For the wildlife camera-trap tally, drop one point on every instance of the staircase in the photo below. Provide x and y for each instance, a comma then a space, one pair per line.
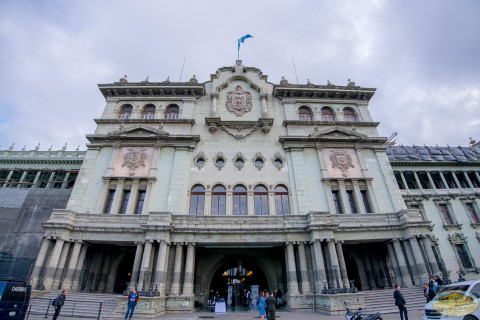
77, 304
382, 300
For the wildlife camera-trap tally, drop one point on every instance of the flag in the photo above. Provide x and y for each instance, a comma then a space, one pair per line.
242, 40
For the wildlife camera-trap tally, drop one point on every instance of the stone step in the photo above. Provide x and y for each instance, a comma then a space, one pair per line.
382, 300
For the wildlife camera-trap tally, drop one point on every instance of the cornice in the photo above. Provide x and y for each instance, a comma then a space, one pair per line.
331, 123
323, 92
146, 121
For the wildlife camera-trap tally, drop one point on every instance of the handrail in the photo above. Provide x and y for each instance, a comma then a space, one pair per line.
73, 304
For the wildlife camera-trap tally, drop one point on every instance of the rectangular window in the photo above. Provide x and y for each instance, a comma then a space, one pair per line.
472, 212
126, 196
140, 202
447, 217
336, 202
351, 201
108, 205
463, 255
366, 203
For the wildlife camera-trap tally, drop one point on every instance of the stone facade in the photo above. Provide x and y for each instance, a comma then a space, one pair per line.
187, 187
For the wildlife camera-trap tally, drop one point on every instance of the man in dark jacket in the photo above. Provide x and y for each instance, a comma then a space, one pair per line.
400, 302
58, 303
271, 307
132, 303
428, 292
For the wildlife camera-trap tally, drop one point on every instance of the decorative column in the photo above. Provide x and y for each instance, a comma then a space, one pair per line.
100, 208
177, 268
402, 265
417, 180
303, 269
136, 266
470, 184
404, 181
117, 199
150, 273
291, 271
37, 269
61, 264
373, 198
442, 177
396, 269
334, 265
430, 255
147, 251
263, 98
213, 108
459, 186
422, 270
189, 271
412, 263
72, 264
272, 209
20, 184
229, 202
65, 180
358, 197
35, 181
343, 198
146, 202
132, 201
161, 268
250, 206
79, 267
341, 264
320, 266
113, 158
52, 267
50, 179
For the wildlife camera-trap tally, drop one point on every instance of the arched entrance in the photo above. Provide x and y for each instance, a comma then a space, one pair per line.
241, 274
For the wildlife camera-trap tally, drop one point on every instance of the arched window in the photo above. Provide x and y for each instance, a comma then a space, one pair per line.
305, 114
172, 112
219, 196
282, 205
125, 112
148, 112
261, 201
197, 200
349, 115
328, 114
240, 201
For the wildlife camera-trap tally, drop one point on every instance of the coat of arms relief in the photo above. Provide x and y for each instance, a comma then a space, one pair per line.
239, 101
340, 159
134, 159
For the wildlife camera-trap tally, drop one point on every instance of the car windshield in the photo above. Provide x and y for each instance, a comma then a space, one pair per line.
463, 287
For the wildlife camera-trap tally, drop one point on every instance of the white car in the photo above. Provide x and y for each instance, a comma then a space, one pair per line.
471, 287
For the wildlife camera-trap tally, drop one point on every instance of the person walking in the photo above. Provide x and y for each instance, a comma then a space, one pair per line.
266, 307
400, 302
58, 303
131, 303
271, 307
279, 298
261, 305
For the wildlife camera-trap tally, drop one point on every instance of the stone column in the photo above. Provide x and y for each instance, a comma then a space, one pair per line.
368, 267
72, 264
334, 262
132, 201
207, 206
78, 268
430, 255
229, 203
470, 184
402, 265
177, 267
61, 264
429, 176
161, 268
373, 197
213, 108
100, 208
151, 271
20, 184
358, 197
361, 270
147, 251
95, 271
113, 158
146, 202
291, 271
50, 179
404, 181
156, 154
343, 198
442, 177
263, 98
250, 206
417, 253
328, 190
37, 269
189, 271
272, 209
396, 269
35, 181
117, 199
7, 181
65, 180
103, 278
320, 266
417, 180
52, 267
454, 175
341, 264
303, 269
136, 266
412, 263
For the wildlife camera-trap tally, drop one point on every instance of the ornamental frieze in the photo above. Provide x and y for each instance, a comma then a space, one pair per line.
133, 161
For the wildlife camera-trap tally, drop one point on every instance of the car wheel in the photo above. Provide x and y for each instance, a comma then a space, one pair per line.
470, 318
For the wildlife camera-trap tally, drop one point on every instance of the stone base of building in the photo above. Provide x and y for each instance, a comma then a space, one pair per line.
335, 304
147, 307
180, 304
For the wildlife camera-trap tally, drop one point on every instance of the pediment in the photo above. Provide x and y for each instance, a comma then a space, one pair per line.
337, 133
136, 131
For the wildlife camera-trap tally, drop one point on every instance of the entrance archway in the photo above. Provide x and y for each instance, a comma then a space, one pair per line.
240, 273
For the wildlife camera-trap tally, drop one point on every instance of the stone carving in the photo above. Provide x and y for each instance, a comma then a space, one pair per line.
259, 160
342, 160
135, 158
239, 161
239, 135
219, 161
239, 101
278, 160
200, 160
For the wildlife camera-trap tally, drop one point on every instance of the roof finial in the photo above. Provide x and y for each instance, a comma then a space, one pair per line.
78, 148
37, 147
64, 147
50, 149
23, 149
11, 147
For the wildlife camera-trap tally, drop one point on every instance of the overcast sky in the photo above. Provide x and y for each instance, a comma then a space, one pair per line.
422, 56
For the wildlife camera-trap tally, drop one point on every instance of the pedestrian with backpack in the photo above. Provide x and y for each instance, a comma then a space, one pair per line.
58, 302
132, 303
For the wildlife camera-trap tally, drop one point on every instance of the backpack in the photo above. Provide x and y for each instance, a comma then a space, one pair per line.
54, 302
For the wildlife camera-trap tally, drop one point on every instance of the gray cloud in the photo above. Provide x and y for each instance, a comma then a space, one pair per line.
422, 57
